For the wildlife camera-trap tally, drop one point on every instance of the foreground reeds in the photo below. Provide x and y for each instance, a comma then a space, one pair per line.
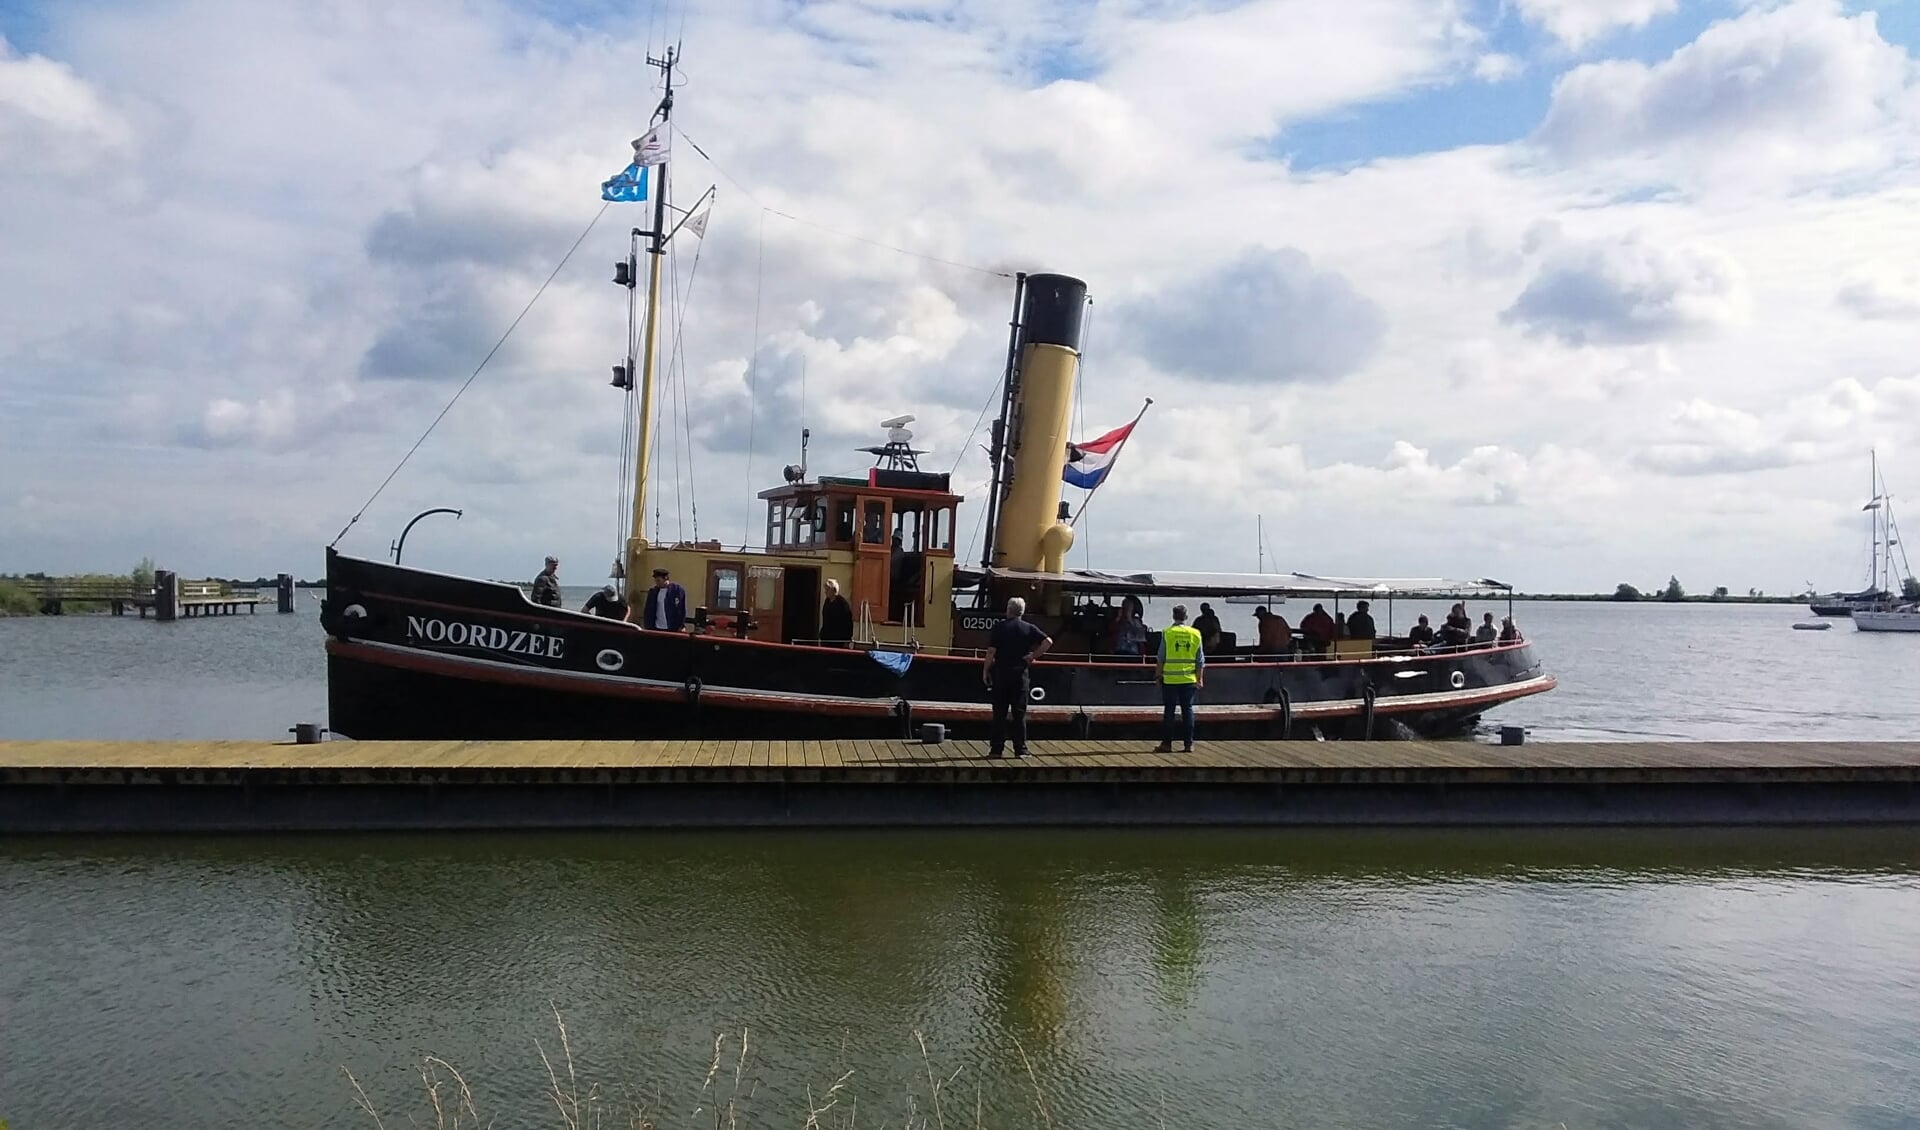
722, 1102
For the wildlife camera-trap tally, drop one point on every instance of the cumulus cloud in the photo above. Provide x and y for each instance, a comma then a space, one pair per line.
1704, 438
1781, 86
1267, 316
52, 115
446, 154
1577, 23
1892, 297
1629, 291
1497, 67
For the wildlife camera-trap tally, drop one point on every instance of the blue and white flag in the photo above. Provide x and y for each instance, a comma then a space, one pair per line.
626, 186
630, 184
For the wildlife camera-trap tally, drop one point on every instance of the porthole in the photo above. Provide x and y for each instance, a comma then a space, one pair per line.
1037, 694
610, 660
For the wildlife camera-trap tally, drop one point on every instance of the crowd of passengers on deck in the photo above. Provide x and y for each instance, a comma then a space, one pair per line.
1319, 633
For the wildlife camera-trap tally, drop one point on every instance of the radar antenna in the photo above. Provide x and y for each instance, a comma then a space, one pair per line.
898, 453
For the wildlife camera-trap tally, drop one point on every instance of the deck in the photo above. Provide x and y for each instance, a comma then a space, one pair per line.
259, 786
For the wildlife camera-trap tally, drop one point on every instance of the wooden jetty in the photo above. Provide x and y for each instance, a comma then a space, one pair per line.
56, 786
168, 598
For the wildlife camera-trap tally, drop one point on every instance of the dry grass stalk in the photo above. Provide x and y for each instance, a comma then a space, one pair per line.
462, 1102
1039, 1100
934, 1084
826, 1103
361, 1100
568, 1101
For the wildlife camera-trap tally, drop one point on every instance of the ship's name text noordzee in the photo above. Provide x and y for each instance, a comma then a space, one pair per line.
434, 630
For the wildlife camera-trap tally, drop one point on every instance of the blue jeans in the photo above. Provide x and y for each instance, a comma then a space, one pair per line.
1179, 695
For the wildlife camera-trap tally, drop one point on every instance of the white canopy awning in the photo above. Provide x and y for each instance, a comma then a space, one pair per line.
1170, 583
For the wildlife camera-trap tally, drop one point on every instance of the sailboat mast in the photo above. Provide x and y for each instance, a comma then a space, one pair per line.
656, 251
1873, 519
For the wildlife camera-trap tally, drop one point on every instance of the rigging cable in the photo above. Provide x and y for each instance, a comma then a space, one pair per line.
675, 407
1080, 406
677, 364
753, 362
471, 378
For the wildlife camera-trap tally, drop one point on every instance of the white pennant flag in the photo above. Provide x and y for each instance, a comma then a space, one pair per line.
651, 148
698, 224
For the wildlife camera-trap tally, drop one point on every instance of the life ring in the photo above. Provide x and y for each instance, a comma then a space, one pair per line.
1458, 679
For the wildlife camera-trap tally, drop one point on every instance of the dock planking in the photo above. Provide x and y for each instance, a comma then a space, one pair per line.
782, 758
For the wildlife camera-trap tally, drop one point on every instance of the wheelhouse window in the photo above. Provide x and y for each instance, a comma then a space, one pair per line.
723, 587
842, 521
873, 522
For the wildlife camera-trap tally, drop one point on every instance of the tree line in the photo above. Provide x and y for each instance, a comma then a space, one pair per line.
1675, 592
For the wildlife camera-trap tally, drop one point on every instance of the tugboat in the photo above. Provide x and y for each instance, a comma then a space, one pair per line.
414, 654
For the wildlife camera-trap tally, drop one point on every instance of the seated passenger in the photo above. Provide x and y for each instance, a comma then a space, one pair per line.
1129, 632
1458, 628
1509, 631
1360, 624
1486, 633
1208, 625
1421, 635
1318, 631
1276, 637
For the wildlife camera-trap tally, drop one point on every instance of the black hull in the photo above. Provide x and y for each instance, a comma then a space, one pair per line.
415, 655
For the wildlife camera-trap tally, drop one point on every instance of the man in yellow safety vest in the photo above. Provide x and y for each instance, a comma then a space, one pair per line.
1183, 671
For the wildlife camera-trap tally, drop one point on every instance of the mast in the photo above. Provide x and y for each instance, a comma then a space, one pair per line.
1873, 520
1009, 387
656, 250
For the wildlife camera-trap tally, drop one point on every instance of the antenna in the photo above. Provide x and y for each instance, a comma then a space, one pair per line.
898, 453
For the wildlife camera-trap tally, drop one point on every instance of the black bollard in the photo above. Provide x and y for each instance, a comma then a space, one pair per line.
284, 585
166, 595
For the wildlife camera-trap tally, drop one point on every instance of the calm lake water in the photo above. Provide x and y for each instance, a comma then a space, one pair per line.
1084, 979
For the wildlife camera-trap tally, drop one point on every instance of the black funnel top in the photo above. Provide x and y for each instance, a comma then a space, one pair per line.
1054, 307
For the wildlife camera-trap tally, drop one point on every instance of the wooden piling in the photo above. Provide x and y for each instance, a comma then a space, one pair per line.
166, 596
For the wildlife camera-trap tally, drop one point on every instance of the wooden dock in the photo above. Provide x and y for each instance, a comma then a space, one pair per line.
190, 599
258, 786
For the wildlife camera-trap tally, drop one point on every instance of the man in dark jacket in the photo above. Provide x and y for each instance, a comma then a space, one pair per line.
1012, 647
546, 586
1318, 630
606, 602
666, 607
836, 617
1360, 624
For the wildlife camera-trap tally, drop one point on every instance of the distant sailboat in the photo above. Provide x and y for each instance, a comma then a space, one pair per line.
1887, 614
1875, 595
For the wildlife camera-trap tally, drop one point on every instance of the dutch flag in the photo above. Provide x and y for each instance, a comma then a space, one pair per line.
1087, 463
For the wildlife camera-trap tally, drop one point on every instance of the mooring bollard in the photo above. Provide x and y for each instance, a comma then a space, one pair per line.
1512, 735
933, 733
166, 595
306, 733
284, 585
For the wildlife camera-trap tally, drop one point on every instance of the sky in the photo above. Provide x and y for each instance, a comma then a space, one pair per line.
1567, 293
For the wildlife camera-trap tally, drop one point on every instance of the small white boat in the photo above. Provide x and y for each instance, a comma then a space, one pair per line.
1903, 619
1812, 626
